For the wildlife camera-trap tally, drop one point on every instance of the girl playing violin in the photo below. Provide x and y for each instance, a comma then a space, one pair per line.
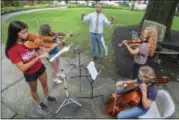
27, 61
145, 49
149, 93
45, 30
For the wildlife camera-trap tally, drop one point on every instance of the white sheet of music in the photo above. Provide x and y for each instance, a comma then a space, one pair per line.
65, 49
92, 70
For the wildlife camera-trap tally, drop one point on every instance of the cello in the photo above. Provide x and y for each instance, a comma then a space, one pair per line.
129, 97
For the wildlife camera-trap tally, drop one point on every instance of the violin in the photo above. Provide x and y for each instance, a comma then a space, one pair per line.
132, 42
53, 38
34, 41
131, 96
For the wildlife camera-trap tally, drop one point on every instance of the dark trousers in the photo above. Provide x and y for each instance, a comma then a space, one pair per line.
135, 71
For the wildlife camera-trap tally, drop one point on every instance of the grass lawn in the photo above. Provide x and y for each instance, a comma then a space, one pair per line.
68, 21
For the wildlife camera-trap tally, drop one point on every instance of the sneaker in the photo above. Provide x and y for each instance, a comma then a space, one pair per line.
61, 75
43, 107
94, 58
51, 99
57, 81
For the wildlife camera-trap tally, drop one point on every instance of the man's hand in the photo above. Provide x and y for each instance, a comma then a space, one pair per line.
83, 14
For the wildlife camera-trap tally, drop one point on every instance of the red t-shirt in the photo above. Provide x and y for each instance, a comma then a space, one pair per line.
19, 53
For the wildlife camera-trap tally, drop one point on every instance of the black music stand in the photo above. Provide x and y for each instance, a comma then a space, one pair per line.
78, 51
94, 74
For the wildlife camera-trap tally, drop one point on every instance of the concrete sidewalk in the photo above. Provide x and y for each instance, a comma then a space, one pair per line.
21, 105
9, 15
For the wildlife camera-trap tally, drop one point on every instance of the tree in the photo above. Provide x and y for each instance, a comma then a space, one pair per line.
87, 1
145, 1
97, 1
161, 11
133, 5
66, 1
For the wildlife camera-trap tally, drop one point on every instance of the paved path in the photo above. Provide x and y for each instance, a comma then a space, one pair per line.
9, 15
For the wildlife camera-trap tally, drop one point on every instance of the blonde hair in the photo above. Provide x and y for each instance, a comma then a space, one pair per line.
147, 74
152, 39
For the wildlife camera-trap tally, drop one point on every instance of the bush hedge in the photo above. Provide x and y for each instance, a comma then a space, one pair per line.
6, 10
77, 5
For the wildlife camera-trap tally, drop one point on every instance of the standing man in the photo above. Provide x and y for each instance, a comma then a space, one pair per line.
97, 20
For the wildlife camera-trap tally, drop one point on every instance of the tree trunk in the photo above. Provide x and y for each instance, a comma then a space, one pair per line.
162, 12
145, 1
97, 1
132, 6
66, 1
76, 1
87, 2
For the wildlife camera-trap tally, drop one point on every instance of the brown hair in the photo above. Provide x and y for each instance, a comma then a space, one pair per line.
45, 29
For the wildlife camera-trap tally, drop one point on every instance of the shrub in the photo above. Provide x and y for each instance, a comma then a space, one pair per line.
5, 10
76, 5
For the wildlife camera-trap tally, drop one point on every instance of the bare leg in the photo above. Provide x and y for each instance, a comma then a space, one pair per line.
57, 64
54, 65
43, 81
33, 88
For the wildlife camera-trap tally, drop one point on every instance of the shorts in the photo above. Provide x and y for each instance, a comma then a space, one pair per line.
53, 52
35, 76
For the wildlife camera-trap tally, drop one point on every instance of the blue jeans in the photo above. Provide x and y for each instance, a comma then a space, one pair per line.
133, 112
53, 52
96, 39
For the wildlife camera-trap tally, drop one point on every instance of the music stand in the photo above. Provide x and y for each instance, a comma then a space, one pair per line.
78, 51
67, 100
94, 73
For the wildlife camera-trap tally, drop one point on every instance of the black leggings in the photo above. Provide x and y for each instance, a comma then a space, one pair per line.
135, 71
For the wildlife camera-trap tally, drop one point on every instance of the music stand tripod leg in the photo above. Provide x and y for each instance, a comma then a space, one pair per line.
61, 105
75, 101
67, 99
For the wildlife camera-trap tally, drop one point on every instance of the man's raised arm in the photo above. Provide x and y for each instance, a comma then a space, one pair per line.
85, 18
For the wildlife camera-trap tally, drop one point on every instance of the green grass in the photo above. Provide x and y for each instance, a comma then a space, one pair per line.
68, 21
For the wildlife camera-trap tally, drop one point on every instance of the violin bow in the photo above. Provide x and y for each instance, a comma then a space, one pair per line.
38, 21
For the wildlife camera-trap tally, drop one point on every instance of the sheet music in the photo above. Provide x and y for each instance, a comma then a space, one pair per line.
65, 49
92, 70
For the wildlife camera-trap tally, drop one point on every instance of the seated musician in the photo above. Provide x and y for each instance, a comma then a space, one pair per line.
145, 49
27, 61
149, 93
45, 30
